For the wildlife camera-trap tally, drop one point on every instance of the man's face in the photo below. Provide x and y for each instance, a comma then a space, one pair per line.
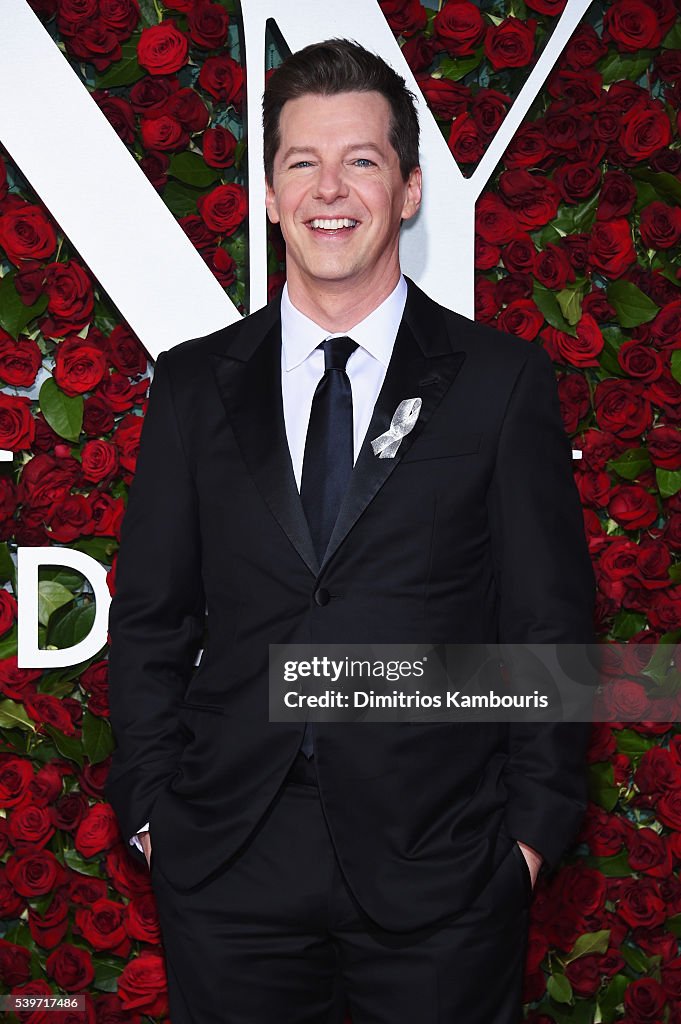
338, 193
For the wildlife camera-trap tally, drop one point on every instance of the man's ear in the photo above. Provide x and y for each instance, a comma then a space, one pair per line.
412, 200
271, 203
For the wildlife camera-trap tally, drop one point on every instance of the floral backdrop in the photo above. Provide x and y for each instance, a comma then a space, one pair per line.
578, 238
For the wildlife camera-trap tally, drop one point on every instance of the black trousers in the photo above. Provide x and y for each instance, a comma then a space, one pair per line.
277, 938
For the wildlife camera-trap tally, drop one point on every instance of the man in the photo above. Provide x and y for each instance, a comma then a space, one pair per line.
396, 858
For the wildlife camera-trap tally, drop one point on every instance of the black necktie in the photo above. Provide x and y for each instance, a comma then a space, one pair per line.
329, 449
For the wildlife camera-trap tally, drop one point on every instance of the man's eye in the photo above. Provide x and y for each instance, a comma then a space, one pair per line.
303, 163
364, 161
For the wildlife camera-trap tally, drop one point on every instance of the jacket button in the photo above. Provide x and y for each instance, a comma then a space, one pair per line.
322, 596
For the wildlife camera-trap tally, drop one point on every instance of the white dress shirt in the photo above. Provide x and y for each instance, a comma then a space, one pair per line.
302, 367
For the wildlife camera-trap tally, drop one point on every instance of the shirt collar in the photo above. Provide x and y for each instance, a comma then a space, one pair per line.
376, 332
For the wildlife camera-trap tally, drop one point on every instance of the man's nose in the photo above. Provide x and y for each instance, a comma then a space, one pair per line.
330, 183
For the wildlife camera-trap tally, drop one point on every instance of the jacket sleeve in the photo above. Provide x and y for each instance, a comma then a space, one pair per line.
157, 613
546, 593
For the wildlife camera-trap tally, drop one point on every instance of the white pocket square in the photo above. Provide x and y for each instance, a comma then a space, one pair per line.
404, 418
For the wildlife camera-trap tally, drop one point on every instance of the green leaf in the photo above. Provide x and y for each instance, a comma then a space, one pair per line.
13, 715
50, 597
64, 413
675, 573
14, 315
610, 1002
106, 976
9, 643
636, 959
100, 548
633, 743
665, 184
559, 988
192, 169
570, 302
8, 570
180, 199
69, 747
673, 924
602, 788
80, 865
68, 577
591, 942
616, 66
627, 624
72, 628
659, 665
457, 68
148, 12
548, 304
612, 867
97, 738
631, 463
668, 481
672, 41
631, 305
676, 365
125, 70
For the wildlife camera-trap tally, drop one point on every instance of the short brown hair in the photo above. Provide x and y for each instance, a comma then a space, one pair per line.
335, 66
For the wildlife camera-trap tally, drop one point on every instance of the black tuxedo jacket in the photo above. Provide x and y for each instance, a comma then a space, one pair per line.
473, 533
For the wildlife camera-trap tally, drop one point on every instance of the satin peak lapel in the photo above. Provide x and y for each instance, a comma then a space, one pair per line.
250, 389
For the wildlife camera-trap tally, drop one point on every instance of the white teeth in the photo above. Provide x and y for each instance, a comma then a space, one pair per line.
334, 224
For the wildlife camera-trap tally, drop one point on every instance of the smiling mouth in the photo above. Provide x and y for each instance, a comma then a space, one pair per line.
332, 223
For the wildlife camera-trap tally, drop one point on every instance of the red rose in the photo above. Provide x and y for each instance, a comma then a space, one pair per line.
223, 78
155, 166
519, 254
8, 611
585, 348
71, 298
577, 181
533, 198
573, 395
668, 65
611, 249
219, 147
98, 831
486, 255
633, 26
459, 27
622, 407
465, 141
596, 303
15, 965
17, 426
102, 925
664, 447
27, 234
550, 7
512, 287
118, 113
208, 25
446, 99
552, 267
660, 225
632, 506
489, 109
493, 220
584, 49
602, 832
99, 460
79, 365
127, 440
648, 852
405, 17
584, 975
150, 95
664, 614
71, 967
224, 209
142, 985
164, 134
640, 904
162, 49
30, 825
527, 148
510, 44
644, 1001
95, 43
640, 360
34, 873
189, 109
646, 130
521, 318
121, 16
486, 305
126, 352
582, 88
617, 196
665, 330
